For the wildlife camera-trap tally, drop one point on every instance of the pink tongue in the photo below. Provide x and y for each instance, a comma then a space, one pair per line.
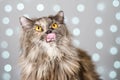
50, 37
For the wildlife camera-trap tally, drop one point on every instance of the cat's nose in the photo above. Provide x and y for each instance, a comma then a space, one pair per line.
49, 31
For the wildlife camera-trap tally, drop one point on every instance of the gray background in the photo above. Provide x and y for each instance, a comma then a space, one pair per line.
95, 25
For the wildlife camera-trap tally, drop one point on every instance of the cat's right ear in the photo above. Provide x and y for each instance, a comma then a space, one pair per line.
25, 22
60, 16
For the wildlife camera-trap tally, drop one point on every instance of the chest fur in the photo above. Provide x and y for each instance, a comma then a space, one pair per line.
58, 70
50, 63
58, 65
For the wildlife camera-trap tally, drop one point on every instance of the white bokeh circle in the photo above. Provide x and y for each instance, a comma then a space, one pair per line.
113, 28
100, 6
5, 54
99, 45
75, 20
4, 44
9, 32
40, 7
117, 64
17, 30
98, 20
117, 40
113, 50
8, 8
76, 42
7, 67
56, 8
99, 32
80, 7
20, 6
100, 70
6, 76
112, 74
5, 20
95, 57
115, 3
117, 16
66, 19
76, 31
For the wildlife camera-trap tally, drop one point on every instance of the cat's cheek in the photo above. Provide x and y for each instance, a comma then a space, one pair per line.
38, 33
58, 37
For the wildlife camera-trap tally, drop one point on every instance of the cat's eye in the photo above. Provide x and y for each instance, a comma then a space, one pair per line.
38, 28
54, 25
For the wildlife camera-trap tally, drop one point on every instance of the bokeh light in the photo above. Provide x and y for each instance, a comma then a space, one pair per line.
20, 6
99, 45
76, 42
116, 3
95, 57
75, 20
117, 40
100, 6
80, 7
98, 20
8, 8
5, 20
56, 8
99, 32
117, 64
7, 67
100, 70
6, 76
113, 50
66, 19
5, 54
9, 32
76, 32
113, 28
112, 74
117, 16
40, 7
4, 44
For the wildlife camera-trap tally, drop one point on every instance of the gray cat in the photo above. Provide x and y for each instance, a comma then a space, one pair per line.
47, 52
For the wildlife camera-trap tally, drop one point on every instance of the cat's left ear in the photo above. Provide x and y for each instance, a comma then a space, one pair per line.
25, 22
60, 16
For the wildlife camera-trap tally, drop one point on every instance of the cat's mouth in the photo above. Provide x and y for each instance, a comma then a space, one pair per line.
50, 37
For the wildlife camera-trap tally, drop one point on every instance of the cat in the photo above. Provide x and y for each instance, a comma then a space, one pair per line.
47, 52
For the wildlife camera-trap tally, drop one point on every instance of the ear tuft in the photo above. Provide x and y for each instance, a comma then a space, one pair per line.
25, 22
60, 16
61, 13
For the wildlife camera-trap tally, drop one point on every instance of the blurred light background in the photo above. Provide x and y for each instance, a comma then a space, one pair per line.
95, 25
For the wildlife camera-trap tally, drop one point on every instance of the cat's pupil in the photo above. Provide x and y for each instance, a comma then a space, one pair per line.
38, 27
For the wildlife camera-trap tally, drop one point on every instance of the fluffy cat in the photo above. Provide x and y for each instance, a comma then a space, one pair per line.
47, 52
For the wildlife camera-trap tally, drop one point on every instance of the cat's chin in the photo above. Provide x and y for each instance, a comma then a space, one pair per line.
53, 41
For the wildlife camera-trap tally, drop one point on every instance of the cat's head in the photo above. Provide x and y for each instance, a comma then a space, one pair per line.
51, 29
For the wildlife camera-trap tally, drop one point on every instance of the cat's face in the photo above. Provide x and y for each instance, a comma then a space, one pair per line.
48, 29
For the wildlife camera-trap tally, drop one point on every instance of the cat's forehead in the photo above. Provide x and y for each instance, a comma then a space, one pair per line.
43, 21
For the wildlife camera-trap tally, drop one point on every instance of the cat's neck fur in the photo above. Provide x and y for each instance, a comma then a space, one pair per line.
52, 61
